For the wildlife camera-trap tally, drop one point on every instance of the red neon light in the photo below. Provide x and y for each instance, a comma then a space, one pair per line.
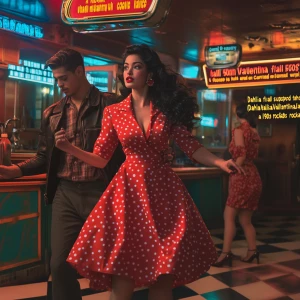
81, 9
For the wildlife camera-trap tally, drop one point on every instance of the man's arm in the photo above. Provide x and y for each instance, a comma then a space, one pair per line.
33, 166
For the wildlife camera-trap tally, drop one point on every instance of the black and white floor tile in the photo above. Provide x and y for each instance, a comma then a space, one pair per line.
277, 277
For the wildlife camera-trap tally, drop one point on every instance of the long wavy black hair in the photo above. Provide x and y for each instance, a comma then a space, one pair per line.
172, 97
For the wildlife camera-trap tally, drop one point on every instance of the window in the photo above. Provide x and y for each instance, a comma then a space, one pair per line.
212, 127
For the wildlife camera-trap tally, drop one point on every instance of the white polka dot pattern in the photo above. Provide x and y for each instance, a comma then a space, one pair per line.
145, 224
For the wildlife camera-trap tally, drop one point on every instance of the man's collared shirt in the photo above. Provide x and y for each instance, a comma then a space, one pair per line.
71, 168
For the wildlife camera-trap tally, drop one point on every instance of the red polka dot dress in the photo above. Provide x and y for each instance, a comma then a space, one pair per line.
245, 190
145, 224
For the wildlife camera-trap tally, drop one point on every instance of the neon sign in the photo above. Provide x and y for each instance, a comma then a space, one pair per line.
22, 28
89, 11
35, 72
107, 15
190, 71
99, 79
31, 71
209, 122
254, 73
223, 56
214, 95
90, 61
32, 9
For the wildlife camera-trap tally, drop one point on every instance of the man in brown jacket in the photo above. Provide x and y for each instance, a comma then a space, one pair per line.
73, 187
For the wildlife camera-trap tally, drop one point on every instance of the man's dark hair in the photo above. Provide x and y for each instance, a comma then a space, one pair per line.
68, 58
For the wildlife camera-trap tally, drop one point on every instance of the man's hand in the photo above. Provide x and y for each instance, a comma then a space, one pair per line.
9, 172
61, 141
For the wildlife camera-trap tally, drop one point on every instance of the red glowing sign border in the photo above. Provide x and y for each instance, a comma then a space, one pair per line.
109, 18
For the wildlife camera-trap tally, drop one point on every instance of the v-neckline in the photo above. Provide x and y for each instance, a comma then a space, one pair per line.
146, 134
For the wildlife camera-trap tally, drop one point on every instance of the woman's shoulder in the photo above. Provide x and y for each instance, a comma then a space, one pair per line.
236, 130
242, 130
244, 127
249, 132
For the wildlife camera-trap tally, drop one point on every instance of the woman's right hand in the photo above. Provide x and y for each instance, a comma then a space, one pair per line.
61, 141
230, 166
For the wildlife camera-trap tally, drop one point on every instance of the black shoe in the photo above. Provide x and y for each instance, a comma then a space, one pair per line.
252, 257
226, 260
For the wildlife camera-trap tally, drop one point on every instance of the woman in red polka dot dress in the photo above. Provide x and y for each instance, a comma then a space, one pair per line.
145, 229
244, 191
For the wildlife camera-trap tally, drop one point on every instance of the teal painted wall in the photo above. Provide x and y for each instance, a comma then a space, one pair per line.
19, 239
18, 203
207, 194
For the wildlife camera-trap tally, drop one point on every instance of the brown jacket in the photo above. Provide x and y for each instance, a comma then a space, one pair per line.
47, 158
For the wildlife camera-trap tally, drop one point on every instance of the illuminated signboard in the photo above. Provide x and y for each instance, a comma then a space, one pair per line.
29, 9
31, 71
223, 56
98, 79
35, 72
209, 122
106, 15
188, 70
214, 95
254, 73
22, 28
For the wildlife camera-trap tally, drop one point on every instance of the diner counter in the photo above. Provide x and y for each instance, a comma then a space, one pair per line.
25, 223
24, 181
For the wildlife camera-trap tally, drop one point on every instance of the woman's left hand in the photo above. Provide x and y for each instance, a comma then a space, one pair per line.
230, 166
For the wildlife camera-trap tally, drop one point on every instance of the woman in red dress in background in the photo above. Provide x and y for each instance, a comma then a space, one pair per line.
145, 230
244, 190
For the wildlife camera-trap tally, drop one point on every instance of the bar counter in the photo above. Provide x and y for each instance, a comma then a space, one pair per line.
24, 230
25, 221
208, 188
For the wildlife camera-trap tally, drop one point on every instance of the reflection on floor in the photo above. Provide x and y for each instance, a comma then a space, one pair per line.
276, 277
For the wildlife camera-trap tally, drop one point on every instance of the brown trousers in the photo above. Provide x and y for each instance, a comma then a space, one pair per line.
72, 204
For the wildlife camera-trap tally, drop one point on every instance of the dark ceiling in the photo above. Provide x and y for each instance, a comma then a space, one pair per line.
264, 28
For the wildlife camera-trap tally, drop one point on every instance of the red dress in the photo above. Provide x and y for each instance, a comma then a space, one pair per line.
145, 223
245, 190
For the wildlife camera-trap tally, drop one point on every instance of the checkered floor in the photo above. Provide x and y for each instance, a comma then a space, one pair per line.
276, 277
